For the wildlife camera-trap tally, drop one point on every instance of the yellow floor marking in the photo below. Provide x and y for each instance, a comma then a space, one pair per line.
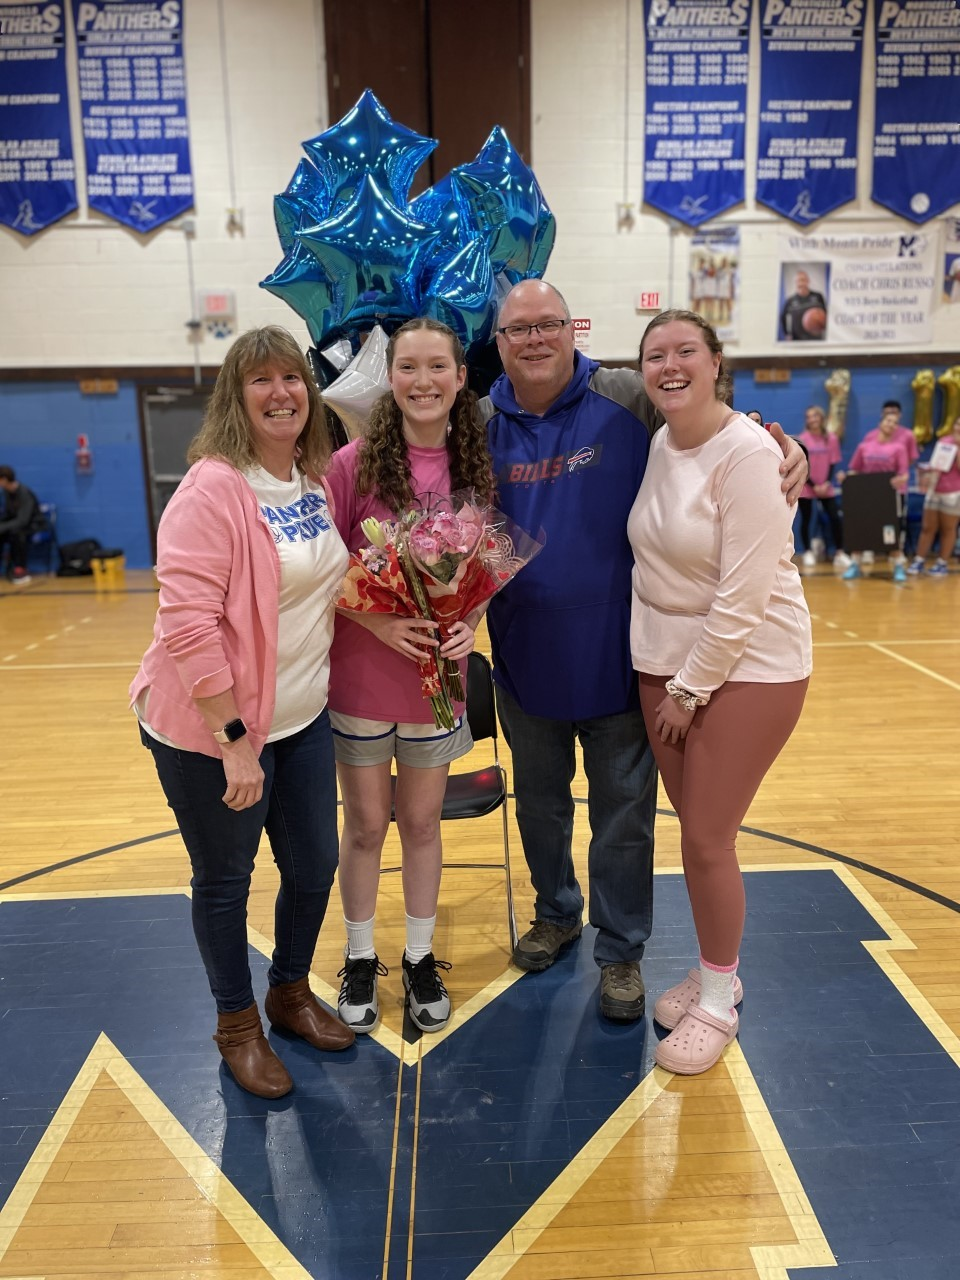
63, 896
209, 1179
562, 1190
391, 1188
471, 1007
420, 1050
811, 1249
924, 671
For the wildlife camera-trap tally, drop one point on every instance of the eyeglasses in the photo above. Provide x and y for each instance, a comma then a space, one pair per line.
520, 332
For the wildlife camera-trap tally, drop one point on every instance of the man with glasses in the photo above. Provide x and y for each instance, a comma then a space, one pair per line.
569, 443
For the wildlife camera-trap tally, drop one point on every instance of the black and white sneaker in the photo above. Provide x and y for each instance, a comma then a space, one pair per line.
357, 1003
426, 994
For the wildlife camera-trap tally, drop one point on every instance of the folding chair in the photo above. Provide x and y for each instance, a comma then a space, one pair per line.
45, 531
481, 791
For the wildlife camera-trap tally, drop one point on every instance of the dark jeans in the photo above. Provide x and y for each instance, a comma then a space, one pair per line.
830, 511
621, 805
298, 810
19, 541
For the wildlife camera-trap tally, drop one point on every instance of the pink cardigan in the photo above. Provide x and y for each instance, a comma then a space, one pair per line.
216, 626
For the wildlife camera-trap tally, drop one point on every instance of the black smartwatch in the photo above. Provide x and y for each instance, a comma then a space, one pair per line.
231, 732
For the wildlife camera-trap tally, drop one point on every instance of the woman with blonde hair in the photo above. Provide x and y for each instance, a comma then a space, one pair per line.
231, 695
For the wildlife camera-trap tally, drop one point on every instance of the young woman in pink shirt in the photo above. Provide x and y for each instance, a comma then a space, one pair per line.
941, 511
823, 451
882, 451
425, 436
720, 635
231, 695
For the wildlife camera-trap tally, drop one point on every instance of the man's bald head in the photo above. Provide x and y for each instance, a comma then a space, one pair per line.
539, 366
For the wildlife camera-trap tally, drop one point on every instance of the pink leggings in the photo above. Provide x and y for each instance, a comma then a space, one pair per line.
710, 779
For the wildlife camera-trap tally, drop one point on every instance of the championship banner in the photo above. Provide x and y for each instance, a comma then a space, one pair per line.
916, 146
715, 279
133, 101
696, 106
849, 289
810, 58
37, 178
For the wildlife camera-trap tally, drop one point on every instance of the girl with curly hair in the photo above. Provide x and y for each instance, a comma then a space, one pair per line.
426, 435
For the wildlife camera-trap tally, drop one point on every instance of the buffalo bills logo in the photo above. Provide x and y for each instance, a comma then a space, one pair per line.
579, 459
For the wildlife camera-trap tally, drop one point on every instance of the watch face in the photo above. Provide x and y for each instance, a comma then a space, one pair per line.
231, 731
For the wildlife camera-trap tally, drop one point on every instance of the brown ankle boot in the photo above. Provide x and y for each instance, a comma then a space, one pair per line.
244, 1049
292, 1006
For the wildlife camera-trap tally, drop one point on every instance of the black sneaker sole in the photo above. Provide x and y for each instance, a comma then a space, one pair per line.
533, 964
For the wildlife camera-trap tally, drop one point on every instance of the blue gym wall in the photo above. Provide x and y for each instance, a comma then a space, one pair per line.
39, 425
40, 422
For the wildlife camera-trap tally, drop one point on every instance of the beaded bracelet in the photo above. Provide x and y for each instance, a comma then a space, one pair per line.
684, 698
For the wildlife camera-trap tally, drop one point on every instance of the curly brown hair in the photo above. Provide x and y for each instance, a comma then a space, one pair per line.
225, 431
384, 466
724, 384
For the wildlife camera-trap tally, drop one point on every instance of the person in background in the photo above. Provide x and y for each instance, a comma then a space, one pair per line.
800, 310
231, 695
569, 444
904, 436
720, 636
823, 450
755, 416
425, 436
941, 509
18, 519
880, 453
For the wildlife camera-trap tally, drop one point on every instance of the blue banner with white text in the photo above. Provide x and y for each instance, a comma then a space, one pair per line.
810, 58
916, 145
696, 106
37, 178
134, 107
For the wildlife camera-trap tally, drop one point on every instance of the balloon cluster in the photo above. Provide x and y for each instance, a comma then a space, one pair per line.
358, 255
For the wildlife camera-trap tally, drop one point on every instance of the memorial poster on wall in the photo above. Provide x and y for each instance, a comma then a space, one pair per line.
37, 178
696, 106
951, 263
810, 58
133, 103
715, 279
858, 288
916, 146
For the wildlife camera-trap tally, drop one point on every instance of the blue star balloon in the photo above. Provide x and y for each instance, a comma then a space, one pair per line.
306, 200
461, 294
367, 142
500, 200
300, 282
437, 207
371, 252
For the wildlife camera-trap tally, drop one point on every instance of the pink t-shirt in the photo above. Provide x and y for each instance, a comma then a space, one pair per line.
949, 481
824, 452
872, 456
902, 435
368, 679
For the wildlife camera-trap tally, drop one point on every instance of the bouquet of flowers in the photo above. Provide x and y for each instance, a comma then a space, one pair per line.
443, 558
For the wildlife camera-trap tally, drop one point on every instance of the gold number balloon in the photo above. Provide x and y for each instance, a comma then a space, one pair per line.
923, 385
837, 387
950, 381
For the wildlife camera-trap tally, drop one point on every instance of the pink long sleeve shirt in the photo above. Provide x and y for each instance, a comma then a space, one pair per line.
216, 626
716, 595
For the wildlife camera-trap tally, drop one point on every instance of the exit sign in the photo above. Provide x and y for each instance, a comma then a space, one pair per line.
649, 301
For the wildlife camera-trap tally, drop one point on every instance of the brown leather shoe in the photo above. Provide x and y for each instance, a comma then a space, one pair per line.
293, 1007
252, 1062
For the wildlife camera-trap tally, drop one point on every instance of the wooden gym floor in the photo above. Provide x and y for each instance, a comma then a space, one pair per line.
531, 1139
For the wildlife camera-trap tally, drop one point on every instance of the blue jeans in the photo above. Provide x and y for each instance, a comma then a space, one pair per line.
621, 805
298, 810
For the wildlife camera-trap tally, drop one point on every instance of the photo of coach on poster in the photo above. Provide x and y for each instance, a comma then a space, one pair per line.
803, 307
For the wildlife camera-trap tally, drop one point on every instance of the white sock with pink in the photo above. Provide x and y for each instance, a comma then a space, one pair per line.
716, 989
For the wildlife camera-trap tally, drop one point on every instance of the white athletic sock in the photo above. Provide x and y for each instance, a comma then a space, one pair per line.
419, 938
360, 939
716, 989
